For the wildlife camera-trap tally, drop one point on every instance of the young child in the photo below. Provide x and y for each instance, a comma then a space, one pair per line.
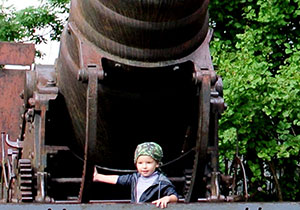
148, 184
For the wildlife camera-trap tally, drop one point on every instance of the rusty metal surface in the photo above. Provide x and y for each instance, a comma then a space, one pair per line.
179, 206
197, 188
148, 31
11, 104
16, 53
46, 91
91, 134
12, 84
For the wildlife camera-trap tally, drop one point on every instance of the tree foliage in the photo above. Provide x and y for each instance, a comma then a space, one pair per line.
33, 24
256, 49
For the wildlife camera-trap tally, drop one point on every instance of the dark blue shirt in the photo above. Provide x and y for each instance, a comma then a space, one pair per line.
161, 187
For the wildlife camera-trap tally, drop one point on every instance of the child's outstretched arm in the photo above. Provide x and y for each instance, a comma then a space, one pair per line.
110, 179
163, 202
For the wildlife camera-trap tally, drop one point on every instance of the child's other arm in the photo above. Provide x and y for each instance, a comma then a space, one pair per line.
110, 179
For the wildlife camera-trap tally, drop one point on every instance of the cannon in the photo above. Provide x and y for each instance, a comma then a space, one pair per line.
127, 72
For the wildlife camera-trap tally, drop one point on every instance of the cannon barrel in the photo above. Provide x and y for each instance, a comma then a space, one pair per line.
151, 31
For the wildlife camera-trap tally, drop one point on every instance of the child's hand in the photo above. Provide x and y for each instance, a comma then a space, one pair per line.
110, 179
163, 202
95, 174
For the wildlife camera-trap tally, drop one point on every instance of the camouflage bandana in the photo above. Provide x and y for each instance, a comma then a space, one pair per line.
151, 149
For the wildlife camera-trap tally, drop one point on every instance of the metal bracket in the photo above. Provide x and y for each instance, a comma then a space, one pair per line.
93, 73
41, 181
14, 144
199, 74
12, 167
83, 74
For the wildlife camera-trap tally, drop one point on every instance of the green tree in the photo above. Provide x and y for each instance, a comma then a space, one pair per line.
33, 24
256, 49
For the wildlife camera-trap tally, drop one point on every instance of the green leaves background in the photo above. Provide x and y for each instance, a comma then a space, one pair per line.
256, 49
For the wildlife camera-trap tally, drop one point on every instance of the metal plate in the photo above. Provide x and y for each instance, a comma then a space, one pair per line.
11, 104
16, 53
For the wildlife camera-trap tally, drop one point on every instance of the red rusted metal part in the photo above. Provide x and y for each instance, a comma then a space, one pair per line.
88, 55
77, 55
45, 91
12, 107
16, 53
11, 104
91, 134
12, 83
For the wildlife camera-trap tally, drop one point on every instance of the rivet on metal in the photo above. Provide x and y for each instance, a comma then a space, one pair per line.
117, 65
176, 68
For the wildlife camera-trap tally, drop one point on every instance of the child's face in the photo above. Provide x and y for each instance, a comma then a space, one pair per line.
146, 165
